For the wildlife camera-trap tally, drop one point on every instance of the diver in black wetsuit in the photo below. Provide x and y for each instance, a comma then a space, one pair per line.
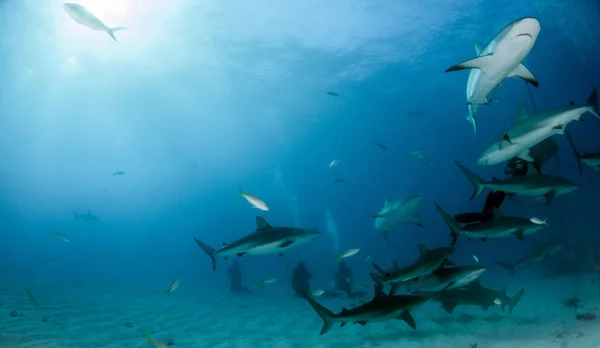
235, 274
300, 278
343, 278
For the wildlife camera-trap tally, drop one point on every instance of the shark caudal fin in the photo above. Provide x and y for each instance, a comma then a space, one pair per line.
455, 228
515, 300
325, 314
111, 32
577, 154
478, 183
209, 251
507, 266
593, 102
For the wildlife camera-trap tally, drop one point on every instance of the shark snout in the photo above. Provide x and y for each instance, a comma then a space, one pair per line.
527, 27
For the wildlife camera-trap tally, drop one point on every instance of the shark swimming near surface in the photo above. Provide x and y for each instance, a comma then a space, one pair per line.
266, 239
502, 57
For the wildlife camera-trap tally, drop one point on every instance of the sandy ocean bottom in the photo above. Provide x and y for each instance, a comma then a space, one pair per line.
268, 319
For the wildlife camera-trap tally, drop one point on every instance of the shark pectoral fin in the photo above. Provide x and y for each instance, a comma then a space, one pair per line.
560, 129
524, 73
416, 221
286, 244
448, 306
482, 63
550, 196
408, 318
526, 156
519, 235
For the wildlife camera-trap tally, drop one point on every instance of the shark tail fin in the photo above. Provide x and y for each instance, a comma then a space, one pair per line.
325, 314
111, 32
577, 154
515, 300
507, 266
476, 181
209, 251
471, 117
241, 194
455, 228
593, 102
168, 293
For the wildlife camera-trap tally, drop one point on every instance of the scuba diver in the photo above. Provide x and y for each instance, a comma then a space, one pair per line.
515, 167
235, 274
343, 278
300, 278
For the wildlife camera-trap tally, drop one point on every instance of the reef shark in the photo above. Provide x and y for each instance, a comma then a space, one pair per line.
428, 261
539, 253
530, 130
442, 279
382, 307
266, 239
86, 18
534, 184
502, 57
499, 226
475, 294
590, 159
401, 210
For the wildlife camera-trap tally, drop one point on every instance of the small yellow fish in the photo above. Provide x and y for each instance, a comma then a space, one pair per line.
261, 283
33, 301
538, 221
348, 253
255, 201
155, 343
62, 236
317, 293
173, 287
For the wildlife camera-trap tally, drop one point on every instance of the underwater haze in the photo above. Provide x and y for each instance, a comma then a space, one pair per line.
275, 138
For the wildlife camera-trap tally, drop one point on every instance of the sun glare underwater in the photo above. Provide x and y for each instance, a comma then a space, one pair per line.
299, 173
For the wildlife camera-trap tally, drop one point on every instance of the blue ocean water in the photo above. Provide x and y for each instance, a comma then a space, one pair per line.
198, 99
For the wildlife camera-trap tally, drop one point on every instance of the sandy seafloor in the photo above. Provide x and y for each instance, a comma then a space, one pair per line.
270, 319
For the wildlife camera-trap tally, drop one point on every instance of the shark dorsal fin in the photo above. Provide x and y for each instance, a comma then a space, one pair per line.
497, 213
521, 113
422, 249
479, 47
505, 142
378, 291
262, 224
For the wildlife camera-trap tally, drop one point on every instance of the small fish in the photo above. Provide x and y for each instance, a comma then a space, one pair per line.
368, 258
416, 113
380, 145
261, 283
49, 260
333, 164
347, 253
173, 287
62, 236
538, 221
498, 302
317, 293
475, 258
333, 94
415, 153
339, 181
118, 173
155, 343
255, 201
31, 298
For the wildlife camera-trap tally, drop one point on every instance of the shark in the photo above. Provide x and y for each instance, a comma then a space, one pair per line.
502, 57
499, 226
443, 279
428, 261
395, 212
538, 254
590, 159
382, 307
534, 184
266, 239
86, 217
530, 130
475, 294
86, 18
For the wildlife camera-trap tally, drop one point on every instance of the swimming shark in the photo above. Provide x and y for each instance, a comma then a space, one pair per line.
266, 239
502, 57
530, 130
401, 210
499, 226
86, 217
86, 18
534, 184
538, 254
442, 279
474, 294
590, 159
382, 307
428, 261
